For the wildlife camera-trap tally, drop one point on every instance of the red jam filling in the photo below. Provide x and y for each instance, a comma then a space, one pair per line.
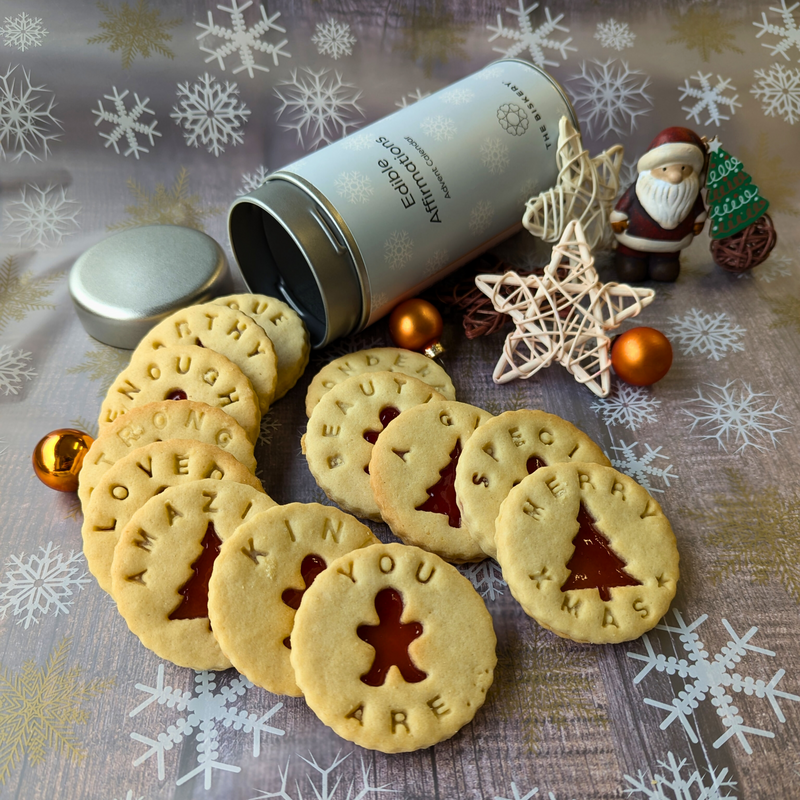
442, 495
534, 463
386, 416
594, 565
176, 394
391, 639
311, 567
195, 591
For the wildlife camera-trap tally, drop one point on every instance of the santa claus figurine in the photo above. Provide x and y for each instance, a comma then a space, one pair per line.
663, 211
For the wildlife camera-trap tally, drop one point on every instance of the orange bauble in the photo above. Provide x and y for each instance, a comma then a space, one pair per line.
641, 356
416, 324
58, 458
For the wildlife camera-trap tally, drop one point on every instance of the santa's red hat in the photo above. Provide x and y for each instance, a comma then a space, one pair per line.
674, 146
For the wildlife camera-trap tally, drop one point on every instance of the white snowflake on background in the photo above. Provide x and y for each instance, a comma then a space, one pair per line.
126, 123
774, 268
516, 794
779, 92
789, 32
3, 450
398, 249
486, 576
627, 405
14, 369
494, 155
439, 259
457, 96
736, 412
358, 141
241, 39
611, 96
709, 98
41, 217
439, 127
354, 186
412, 97
526, 37
35, 585
641, 468
480, 217
715, 679
269, 425
713, 335
23, 32
679, 786
129, 796
613, 34
334, 39
210, 113
326, 786
252, 180
26, 118
321, 105
204, 712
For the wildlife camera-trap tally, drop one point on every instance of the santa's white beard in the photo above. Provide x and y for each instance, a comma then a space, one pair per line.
667, 203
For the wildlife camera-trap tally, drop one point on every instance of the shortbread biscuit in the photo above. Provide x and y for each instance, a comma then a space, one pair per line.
587, 552
346, 423
378, 359
156, 422
407, 683
502, 453
260, 578
285, 328
226, 331
133, 480
412, 475
187, 372
164, 559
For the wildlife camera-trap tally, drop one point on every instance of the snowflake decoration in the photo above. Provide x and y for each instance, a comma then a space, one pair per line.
242, 40
439, 259
494, 155
334, 39
709, 98
714, 679
321, 104
126, 123
358, 141
252, 180
355, 187
728, 411
640, 467
458, 96
486, 576
481, 216
34, 585
327, 788
25, 117
627, 405
439, 127
412, 97
789, 32
14, 369
41, 217
706, 30
21, 294
268, 428
680, 787
711, 334
23, 32
129, 796
775, 267
779, 92
206, 711
535, 40
517, 795
613, 34
611, 95
398, 249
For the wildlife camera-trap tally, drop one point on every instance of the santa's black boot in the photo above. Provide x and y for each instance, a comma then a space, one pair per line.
664, 267
630, 269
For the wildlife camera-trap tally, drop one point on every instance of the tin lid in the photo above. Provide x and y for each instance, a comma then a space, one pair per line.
288, 244
127, 283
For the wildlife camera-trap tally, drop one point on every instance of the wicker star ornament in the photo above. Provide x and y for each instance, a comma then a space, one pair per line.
563, 316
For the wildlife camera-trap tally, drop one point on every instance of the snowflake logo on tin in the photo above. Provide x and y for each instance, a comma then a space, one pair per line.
614, 35
358, 141
494, 155
513, 119
14, 369
458, 96
41, 217
707, 334
334, 39
126, 123
210, 113
23, 32
779, 92
398, 249
439, 260
627, 405
439, 127
709, 99
480, 218
355, 187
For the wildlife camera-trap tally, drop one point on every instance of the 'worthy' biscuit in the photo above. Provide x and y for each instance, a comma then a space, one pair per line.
133, 480
378, 359
344, 426
393, 648
412, 474
164, 559
187, 372
587, 552
260, 578
502, 452
156, 422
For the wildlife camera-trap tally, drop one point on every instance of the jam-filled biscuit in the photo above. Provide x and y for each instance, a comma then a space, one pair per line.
156, 422
502, 452
186, 372
133, 480
345, 425
260, 578
378, 359
285, 328
412, 474
164, 559
393, 648
587, 552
